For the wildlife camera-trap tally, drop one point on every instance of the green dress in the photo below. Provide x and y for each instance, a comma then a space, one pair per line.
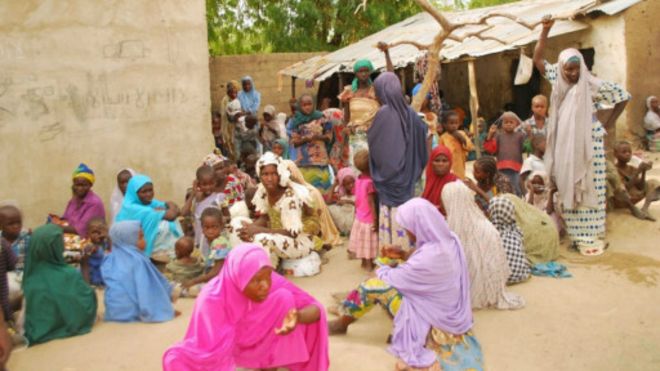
59, 303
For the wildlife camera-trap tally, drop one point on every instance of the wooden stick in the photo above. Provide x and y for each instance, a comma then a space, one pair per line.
474, 105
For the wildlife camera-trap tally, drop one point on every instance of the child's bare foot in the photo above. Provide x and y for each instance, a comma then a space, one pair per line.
351, 255
177, 313
368, 264
337, 327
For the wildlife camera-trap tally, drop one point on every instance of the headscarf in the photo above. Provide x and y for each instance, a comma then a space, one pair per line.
284, 142
486, 259
135, 289
569, 154
79, 212
341, 175
147, 215
227, 329
502, 215
59, 303
213, 159
508, 114
234, 84
434, 183
651, 119
356, 67
117, 197
416, 90
270, 109
397, 144
433, 281
250, 100
83, 171
540, 200
300, 118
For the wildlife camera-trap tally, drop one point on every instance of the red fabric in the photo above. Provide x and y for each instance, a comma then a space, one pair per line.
434, 183
490, 146
509, 164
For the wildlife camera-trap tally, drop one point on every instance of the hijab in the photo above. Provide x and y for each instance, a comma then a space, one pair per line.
117, 197
433, 281
301, 118
79, 212
227, 329
356, 67
147, 215
59, 303
250, 100
569, 152
341, 175
434, 183
135, 289
284, 142
540, 200
651, 119
397, 144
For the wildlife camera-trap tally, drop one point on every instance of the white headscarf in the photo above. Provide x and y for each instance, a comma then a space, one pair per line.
117, 197
652, 119
569, 156
540, 200
269, 158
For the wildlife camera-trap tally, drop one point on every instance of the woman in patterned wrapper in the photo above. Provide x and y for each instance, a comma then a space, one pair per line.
575, 154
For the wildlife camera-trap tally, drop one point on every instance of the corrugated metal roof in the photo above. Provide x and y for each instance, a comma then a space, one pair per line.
422, 28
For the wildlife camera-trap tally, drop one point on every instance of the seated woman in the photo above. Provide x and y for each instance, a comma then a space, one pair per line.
329, 231
135, 290
428, 295
438, 175
157, 218
342, 208
486, 259
288, 227
84, 206
251, 317
58, 302
490, 182
502, 213
311, 135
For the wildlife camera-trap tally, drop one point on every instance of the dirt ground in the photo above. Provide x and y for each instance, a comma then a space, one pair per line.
605, 317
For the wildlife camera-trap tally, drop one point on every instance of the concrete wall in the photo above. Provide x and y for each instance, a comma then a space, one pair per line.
263, 68
108, 83
643, 59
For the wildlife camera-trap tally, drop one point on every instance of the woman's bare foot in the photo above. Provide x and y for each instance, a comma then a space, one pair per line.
368, 264
177, 313
340, 325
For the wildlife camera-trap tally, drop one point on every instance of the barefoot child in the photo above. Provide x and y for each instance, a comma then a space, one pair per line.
507, 146
363, 241
94, 251
533, 162
457, 141
185, 267
636, 185
218, 247
204, 197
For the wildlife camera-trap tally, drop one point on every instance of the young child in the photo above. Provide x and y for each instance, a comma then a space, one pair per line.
218, 247
94, 250
637, 187
204, 196
185, 267
10, 228
544, 197
363, 241
507, 146
457, 141
490, 182
272, 128
342, 203
534, 162
535, 125
247, 134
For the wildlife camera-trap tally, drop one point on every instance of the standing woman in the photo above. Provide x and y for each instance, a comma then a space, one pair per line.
575, 155
228, 120
360, 107
249, 97
311, 134
398, 154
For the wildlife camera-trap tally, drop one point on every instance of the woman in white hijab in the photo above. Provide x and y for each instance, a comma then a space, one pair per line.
575, 153
652, 117
117, 198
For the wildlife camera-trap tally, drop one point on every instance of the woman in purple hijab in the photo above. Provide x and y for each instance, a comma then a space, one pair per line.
398, 154
428, 295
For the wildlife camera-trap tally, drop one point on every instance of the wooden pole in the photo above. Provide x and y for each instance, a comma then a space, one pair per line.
293, 86
474, 105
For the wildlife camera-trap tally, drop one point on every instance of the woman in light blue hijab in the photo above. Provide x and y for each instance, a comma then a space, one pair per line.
249, 97
157, 218
135, 289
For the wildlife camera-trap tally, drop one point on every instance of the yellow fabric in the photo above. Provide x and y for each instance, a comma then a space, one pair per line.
459, 152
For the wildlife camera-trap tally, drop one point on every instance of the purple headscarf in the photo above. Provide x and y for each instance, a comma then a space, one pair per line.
397, 143
434, 283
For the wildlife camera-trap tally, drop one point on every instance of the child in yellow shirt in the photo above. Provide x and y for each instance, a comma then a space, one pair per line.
457, 141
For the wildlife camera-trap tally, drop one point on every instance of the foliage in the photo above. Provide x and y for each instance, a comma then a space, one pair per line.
249, 26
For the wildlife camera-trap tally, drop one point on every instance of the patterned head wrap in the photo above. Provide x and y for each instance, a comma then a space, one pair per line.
357, 66
83, 171
213, 159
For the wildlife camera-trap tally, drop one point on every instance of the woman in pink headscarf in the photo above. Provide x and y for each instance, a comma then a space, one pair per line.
251, 317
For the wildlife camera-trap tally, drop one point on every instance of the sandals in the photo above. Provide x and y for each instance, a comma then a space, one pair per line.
591, 248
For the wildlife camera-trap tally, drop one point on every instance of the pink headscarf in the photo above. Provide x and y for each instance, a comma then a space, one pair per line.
341, 175
228, 330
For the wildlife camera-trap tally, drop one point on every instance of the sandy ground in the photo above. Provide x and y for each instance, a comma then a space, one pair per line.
606, 317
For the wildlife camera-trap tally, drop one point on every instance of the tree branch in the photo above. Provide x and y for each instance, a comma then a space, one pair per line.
446, 25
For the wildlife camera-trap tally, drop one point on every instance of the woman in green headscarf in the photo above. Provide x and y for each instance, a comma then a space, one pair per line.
360, 106
58, 302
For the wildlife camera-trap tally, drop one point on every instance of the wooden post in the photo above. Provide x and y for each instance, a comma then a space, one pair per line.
474, 105
293, 87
